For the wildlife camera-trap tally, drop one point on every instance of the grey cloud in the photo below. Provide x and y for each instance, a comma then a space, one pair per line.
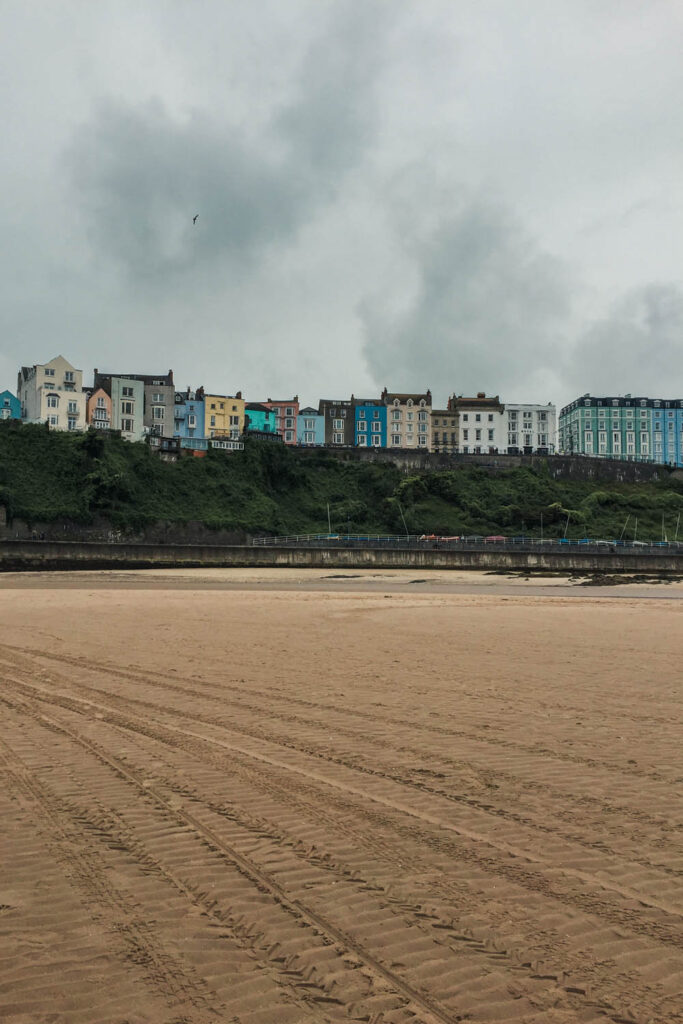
140, 173
636, 348
487, 311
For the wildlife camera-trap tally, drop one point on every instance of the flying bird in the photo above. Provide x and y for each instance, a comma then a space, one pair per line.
194, 219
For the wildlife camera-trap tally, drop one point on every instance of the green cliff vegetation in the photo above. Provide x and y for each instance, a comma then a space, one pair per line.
50, 476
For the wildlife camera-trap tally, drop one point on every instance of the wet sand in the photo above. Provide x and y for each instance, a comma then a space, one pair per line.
278, 796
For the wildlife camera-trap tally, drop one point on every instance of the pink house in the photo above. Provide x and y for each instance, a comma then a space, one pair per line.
98, 410
286, 414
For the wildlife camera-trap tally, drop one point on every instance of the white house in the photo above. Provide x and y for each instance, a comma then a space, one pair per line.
53, 393
481, 424
531, 429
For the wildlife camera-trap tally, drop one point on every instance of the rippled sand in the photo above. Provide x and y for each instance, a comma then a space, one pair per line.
281, 796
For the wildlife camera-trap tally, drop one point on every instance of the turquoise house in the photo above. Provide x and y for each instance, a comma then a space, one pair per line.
10, 406
258, 419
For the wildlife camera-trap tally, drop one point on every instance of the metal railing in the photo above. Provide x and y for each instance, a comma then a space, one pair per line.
467, 543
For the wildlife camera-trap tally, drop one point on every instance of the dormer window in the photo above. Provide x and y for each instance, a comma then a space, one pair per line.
409, 402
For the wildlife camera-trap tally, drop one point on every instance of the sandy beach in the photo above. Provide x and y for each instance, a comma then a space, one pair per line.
273, 797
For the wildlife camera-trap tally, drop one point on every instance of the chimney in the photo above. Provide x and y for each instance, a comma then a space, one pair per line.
481, 394
238, 394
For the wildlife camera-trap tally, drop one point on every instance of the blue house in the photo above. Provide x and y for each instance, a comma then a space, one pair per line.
10, 406
370, 423
188, 413
310, 427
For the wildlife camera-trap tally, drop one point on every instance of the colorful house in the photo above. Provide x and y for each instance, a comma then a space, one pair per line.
444, 424
141, 403
98, 410
258, 419
408, 419
53, 393
286, 416
339, 421
188, 413
310, 427
224, 415
623, 427
370, 423
10, 406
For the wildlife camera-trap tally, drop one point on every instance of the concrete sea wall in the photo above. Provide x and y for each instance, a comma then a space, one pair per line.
42, 555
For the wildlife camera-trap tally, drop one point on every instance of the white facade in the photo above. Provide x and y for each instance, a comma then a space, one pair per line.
481, 423
53, 392
530, 428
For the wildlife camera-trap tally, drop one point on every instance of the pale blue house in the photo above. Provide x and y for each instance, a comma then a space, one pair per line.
188, 413
310, 427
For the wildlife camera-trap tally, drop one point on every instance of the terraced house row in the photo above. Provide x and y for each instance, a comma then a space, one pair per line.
624, 426
150, 406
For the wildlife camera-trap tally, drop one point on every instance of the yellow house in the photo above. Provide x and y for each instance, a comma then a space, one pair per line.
224, 415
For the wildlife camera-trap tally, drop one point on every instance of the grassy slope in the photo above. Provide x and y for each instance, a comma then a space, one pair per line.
50, 476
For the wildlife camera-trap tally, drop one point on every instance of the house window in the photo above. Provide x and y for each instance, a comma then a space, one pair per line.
72, 407
375, 414
309, 437
477, 435
52, 401
54, 420
192, 421
491, 435
375, 440
465, 416
337, 439
101, 404
422, 440
289, 411
157, 397
127, 392
477, 417
376, 427
361, 414
234, 421
338, 425
361, 440
396, 415
490, 417
289, 422
158, 412
362, 426
69, 376
309, 424
127, 408
422, 427
396, 439
127, 426
465, 435
213, 419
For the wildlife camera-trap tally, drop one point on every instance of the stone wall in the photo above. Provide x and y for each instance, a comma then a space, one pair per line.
41, 555
559, 466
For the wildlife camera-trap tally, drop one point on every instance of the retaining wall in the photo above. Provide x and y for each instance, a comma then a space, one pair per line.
42, 555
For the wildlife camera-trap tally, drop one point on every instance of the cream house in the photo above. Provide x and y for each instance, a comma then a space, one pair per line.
53, 393
408, 419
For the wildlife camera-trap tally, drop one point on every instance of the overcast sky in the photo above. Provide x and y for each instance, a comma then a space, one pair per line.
466, 196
